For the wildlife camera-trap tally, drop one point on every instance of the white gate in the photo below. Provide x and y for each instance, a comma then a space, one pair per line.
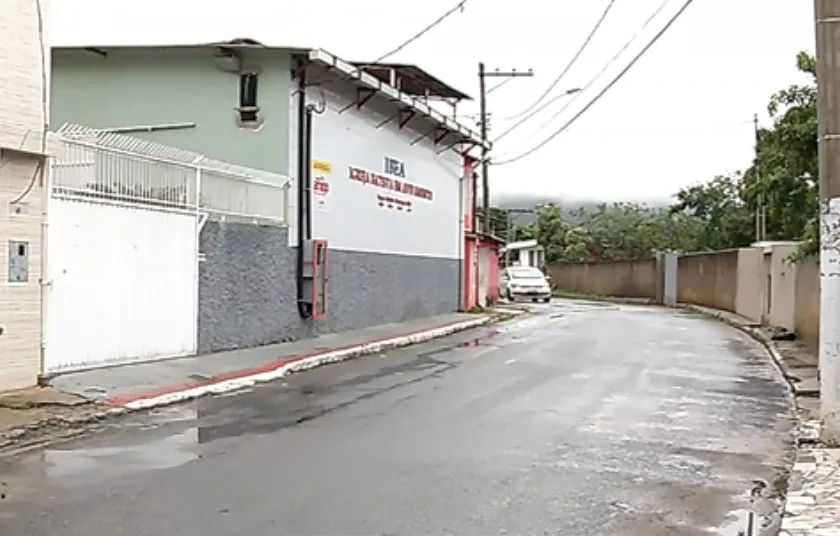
122, 284
123, 218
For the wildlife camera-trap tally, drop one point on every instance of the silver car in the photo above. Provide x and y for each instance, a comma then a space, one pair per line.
524, 282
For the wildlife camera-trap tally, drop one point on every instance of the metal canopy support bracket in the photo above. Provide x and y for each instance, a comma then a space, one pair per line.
426, 135
440, 135
470, 145
406, 115
363, 95
452, 146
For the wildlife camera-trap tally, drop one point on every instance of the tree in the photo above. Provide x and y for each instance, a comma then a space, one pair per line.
718, 214
635, 230
498, 221
550, 231
723, 218
578, 243
783, 176
789, 161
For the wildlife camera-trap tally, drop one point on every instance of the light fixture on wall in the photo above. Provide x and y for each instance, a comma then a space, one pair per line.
227, 60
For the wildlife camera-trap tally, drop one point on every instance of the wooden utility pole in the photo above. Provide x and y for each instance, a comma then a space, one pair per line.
484, 118
827, 19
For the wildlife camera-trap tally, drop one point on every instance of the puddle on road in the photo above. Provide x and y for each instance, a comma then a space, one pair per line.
106, 462
484, 340
149, 446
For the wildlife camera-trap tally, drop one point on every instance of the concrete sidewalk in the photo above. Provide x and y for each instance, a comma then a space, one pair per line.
143, 385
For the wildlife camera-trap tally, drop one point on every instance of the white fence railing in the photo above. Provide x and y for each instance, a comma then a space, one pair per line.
93, 163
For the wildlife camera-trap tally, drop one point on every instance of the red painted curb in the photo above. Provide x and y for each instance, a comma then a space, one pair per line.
122, 400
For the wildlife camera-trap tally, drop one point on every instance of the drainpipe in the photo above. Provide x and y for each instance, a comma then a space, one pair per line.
304, 231
461, 237
46, 282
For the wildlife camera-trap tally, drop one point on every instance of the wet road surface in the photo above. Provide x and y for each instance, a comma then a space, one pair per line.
585, 419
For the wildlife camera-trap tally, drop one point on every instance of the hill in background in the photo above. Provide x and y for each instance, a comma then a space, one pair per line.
569, 206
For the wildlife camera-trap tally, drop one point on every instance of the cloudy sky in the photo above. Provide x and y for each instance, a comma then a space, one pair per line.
681, 115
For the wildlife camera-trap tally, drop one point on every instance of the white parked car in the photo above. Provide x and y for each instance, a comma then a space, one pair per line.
524, 282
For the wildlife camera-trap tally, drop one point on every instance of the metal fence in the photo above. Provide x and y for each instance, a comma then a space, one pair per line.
92, 163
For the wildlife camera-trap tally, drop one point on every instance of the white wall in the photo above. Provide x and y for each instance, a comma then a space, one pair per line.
361, 216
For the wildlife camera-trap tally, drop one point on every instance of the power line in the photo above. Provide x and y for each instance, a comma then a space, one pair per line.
497, 86
553, 99
606, 66
556, 81
458, 7
597, 97
595, 78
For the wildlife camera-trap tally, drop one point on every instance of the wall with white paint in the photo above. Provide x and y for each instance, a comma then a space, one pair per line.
376, 189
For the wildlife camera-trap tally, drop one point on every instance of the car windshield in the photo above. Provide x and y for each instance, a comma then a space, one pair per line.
526, 273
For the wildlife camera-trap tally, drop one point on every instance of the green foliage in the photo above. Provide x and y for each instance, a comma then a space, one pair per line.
718, 214
498, 221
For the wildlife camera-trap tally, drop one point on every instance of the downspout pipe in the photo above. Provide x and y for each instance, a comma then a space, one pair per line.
304, 219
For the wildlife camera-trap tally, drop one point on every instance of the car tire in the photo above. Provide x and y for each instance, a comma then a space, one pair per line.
509, 296
546, 300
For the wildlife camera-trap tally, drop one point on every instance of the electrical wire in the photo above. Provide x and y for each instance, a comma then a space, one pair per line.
40, 169
609, 86
548, 102
458, 7
500, 84
606, 66
594, 79
563, 73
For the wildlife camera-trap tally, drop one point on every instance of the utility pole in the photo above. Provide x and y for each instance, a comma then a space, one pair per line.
510, 217
483, 74
760, 209
827, 15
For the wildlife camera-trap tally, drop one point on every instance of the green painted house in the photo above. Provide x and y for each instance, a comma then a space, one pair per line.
229, 100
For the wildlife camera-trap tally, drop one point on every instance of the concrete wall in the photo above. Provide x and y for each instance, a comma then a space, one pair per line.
760, 284
783, 291
21, 49
247, 292
806, 317
708, 279
629, 279
20, 302
21, 194
751, 284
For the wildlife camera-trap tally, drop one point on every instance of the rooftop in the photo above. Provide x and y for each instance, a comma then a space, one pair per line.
523, 244
412, 80
408, 87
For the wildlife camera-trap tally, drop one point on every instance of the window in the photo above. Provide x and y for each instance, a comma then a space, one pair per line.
526, 273
248, 109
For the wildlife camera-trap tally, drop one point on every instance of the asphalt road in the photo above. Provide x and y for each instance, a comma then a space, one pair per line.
583, 420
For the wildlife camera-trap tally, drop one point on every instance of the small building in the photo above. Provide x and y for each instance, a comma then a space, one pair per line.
23, 148
524, 253
355, 217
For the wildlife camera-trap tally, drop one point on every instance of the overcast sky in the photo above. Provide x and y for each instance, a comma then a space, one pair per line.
679, 116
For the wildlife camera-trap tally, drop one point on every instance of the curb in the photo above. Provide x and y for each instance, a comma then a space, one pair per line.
237, 380
32, 435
